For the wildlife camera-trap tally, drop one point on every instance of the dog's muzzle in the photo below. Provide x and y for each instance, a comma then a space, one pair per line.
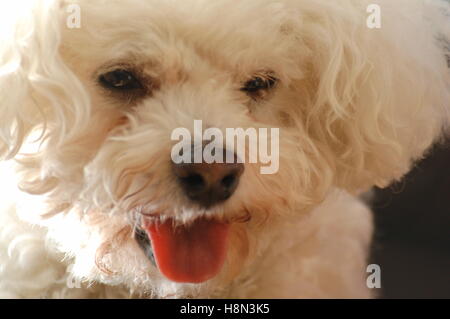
193, 252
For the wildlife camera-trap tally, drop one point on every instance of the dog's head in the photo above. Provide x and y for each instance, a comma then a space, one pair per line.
101, 94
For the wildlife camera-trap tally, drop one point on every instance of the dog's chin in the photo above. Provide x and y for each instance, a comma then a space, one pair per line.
192, 252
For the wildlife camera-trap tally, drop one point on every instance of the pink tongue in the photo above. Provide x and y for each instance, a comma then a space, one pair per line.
189, 254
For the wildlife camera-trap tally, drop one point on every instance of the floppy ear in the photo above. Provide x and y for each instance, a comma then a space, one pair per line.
36, 88
381, 96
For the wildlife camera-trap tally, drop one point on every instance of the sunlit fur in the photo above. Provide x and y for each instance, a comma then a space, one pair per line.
355, 107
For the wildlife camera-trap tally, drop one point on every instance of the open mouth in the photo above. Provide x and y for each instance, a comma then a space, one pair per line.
192, 253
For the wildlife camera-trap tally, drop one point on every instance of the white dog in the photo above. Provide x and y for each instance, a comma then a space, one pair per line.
89, 102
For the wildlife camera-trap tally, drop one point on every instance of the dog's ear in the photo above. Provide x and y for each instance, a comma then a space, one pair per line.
379, 97
35, 85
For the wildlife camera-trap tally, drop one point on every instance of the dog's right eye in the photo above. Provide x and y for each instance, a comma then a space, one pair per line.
259, 86
120, 80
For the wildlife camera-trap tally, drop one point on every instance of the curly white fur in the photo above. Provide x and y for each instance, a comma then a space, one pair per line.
356, 107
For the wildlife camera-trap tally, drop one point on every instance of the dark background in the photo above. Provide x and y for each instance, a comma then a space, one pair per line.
412, 232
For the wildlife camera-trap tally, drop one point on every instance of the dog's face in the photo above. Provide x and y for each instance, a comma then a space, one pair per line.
168, 68
108, 96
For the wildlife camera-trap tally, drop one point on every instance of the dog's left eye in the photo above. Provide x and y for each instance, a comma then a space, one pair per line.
256, 86
122, 80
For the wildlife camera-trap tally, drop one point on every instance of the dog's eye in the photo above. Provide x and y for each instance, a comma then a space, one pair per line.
258, 85
122, 80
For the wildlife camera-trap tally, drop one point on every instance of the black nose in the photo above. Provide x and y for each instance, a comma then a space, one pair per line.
209, 184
